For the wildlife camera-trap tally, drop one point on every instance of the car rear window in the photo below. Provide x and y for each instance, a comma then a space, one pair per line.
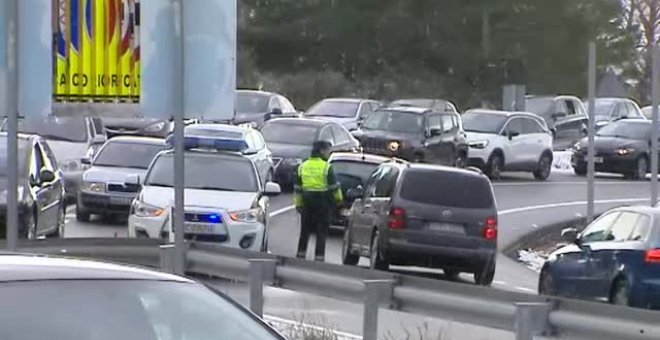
447, 189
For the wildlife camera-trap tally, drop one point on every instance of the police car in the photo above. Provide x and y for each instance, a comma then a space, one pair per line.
226, 202
254, 146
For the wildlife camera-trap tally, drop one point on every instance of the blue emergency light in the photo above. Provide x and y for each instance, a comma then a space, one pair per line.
212, 143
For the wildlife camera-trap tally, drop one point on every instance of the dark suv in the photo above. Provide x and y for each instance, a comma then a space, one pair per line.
424, 215
415, 134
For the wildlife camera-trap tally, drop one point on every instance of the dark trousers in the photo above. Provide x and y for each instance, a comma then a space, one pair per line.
315, 218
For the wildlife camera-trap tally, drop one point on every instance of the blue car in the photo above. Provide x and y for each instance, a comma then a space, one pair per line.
616, 259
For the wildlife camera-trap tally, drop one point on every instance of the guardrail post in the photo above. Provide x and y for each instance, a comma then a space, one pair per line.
375, 293
261, 272
531, 319
169, 262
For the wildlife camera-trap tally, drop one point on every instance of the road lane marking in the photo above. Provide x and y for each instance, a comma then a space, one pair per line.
569, 204
520, 184
282, 211
525, 289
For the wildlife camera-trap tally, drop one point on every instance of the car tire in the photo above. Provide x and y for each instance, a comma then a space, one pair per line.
580, 169
486, 275
620, 294
376, 259
82, 215
546, 283
543, 168
495, 166
641, 169
451, 275
347, 257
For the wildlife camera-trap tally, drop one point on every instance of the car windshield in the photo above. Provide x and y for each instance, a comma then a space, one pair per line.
329, 108
603, 108
70, 129
127, 154
23, 147
297, 134
539, 105
122, 309
626, 129
352, 173
206, 172
483, 122
457, 189
249, 102
394, 121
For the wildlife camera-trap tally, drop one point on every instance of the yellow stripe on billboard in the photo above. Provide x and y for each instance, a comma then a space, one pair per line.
95, 55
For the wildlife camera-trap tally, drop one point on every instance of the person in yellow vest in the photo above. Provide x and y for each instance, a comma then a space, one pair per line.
317, 195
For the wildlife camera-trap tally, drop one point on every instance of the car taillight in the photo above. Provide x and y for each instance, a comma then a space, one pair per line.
490, 231
397, 219
652, 256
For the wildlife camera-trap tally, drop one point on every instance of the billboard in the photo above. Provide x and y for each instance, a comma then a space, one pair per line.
96, 50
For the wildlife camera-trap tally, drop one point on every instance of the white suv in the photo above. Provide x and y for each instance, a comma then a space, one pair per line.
508, 141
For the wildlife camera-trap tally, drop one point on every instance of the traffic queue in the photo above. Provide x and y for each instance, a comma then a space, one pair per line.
372, 170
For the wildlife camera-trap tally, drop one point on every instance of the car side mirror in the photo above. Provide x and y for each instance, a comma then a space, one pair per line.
85, 161
272, 189
276, 112
46, 176
435, 132
355, 193
512, 134
133, 180
570, 235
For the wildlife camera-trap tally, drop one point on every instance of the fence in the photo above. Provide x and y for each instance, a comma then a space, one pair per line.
525, 315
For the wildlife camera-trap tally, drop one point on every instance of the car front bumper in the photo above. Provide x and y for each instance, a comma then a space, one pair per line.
478, 157
232, 234
606, 163
103, 203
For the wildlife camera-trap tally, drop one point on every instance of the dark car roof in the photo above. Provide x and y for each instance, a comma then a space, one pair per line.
25, 267
348, 100
359, 157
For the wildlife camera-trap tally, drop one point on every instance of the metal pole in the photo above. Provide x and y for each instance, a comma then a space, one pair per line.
261, 272
654, 131
12, 125
531, 319
179, 168
375, 293
591, 167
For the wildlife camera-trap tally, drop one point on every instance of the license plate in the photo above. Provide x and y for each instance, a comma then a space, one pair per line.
447, 227
121, 200
198, 228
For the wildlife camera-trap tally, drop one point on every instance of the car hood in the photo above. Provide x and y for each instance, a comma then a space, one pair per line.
285, 150
64, 150
200, 199
611, 143
108, 174
477, 136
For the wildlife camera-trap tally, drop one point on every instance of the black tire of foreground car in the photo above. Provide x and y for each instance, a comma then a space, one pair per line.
494, 167
486, 275
543, 168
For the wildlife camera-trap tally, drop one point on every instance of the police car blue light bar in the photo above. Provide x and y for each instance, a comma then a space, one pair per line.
219, 144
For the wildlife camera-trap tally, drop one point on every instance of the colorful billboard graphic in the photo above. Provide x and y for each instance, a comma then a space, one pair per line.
96, 50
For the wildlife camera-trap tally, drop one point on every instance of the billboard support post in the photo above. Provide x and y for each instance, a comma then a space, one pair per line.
179, 167
591, 167
12, 125
654, 131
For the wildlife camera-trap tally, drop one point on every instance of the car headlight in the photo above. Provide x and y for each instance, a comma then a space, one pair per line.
70, 165
93, 186
625, 151
141, 209
251, 215
155, 127
394, 146
482, 144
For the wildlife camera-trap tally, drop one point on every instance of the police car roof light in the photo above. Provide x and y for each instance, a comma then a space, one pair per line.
218, 144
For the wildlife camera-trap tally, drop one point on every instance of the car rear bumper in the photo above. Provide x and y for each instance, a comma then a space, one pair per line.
647, 294
401, 252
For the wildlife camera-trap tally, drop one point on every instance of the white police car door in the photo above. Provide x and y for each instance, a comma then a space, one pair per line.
260, 156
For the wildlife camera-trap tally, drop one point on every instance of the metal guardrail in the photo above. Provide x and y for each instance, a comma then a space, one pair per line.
525, 315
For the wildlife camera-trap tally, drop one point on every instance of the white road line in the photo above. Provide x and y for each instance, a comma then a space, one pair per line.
282, 211
525, 289
514, 184
569, 204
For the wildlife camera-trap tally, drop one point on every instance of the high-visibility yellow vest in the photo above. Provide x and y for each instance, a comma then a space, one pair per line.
314, 174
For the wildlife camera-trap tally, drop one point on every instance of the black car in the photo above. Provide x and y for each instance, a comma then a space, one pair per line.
260, 106
438, 105
349, 112
77, 299
147, 127
40, 189
424, 215
608, 110
615, 259
290, 141
566, 117
415, 134
352, 171
622, 147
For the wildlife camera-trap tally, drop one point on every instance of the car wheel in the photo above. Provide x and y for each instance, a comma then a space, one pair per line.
486, 275
347, 257
451, 275
82, 215
580, 169
544, 168
641, 169
546, 283
620, 293
376, 260
495, 165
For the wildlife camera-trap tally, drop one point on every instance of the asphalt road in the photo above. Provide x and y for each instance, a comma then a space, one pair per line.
523, 205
